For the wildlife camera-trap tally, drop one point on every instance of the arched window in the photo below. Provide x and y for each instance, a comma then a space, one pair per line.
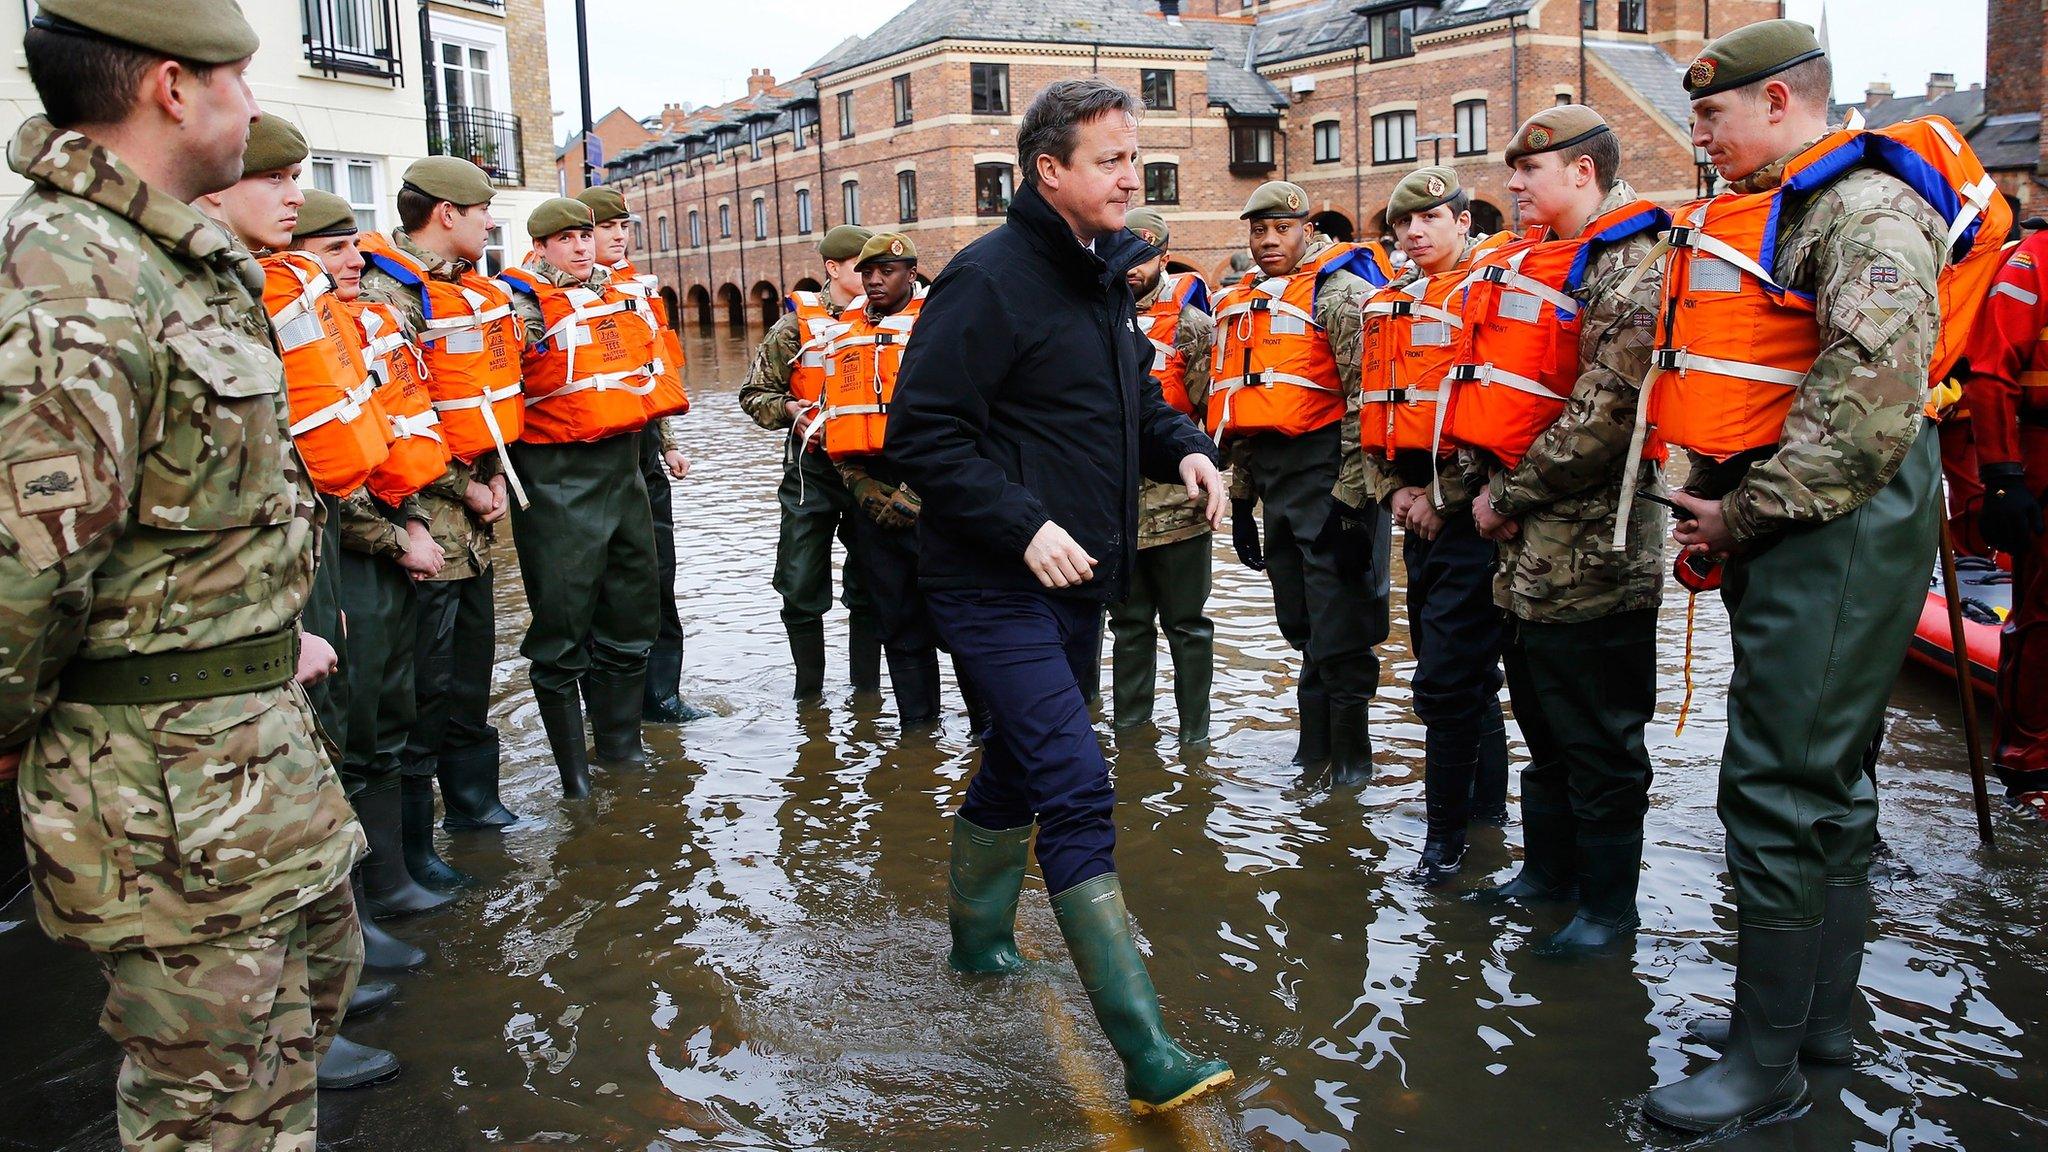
696, 230
849, 201
725, 221
803, 211
661, 231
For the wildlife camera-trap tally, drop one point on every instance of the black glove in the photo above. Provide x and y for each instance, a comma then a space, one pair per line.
1348, 535
1244, 535
2011, 516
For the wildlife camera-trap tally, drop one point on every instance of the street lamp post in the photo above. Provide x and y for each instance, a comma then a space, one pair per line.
1436, 144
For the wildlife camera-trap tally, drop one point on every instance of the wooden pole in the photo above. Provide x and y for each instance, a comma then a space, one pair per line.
1966, 685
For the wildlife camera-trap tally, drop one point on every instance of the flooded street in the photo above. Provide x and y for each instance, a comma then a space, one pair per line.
743, 946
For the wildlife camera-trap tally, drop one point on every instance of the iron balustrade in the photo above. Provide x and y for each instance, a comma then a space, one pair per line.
353, 37
493, 141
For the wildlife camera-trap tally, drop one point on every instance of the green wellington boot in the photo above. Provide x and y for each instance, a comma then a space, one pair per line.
1606, 920
1158, 1073
1757, 1079
807, 656
981, 896
348, 1064
416, 826
1836, 997
561, 714
863, 653
1312, 743
613, 701
1350, 746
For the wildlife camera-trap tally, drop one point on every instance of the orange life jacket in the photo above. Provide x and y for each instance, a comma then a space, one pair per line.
337, 424
1517, 356
1178, 291
589, 377
418, 455
1410, 341
860, 379
1273, 368
472, 344
669, 398
816, 326
1734, 345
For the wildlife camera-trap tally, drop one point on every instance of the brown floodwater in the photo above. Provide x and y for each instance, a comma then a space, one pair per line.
743, 946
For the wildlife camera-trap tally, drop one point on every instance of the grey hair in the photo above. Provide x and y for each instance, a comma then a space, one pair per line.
1052, 124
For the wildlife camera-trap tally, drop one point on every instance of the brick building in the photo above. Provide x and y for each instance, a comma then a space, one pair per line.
616, 132
913, 127
2008, 137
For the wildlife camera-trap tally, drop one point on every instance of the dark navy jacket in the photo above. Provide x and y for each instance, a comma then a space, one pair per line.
1026, 395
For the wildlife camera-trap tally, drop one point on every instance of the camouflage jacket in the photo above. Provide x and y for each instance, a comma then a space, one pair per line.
1867, 249
1337, 312
465, 540
1450, 482
766, 390
1562, 567
1164, 514
150, 502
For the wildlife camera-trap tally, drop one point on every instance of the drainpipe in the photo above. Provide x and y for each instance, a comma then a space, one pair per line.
781, 237
1357, 157
676, 234
1515, 96
819, 201
746, 289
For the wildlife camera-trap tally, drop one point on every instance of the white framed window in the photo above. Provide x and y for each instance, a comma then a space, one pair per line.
849, 202
356, 179
1393, 137
1329, 142
696, 230
494, 252
803, 211
760, 219
1471, 125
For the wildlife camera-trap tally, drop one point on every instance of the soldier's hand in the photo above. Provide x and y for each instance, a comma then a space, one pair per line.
1398, 503
499, 503
1701, 523
1491, 524
1423, 518
2011, 515
905, 504
678, 464
317, 659
1244, 535
422, 558
1057, 559
1205, 486
477, 498
800, 415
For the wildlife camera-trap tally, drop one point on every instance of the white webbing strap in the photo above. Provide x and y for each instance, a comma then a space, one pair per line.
1632, 466
482, 402
301, 307
1489, 374
601, 382
1976, 197
1264, 379
1266, 304
346, 409
1680, 361
425, 424
1510, 275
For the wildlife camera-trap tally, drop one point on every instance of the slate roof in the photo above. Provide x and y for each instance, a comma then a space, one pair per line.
2009, 141
1652, 73
1232, 86
1963, 109
1123, 23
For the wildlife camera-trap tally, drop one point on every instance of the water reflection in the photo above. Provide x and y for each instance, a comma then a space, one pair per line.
743, 946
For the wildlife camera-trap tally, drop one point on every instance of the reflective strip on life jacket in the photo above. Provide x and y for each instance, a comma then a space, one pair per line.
335, 421
853, 418
1267, 335
587, 377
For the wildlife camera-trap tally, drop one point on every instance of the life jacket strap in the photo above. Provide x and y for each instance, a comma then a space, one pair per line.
483, 402
1489, 374
346, 409
1511, 277
603, 382
422, 424
1680, 361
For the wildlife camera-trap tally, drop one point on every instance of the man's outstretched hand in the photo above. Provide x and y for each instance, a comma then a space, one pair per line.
1204, 482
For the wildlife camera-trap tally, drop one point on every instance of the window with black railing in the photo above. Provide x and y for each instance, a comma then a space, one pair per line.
493, 141
353, 37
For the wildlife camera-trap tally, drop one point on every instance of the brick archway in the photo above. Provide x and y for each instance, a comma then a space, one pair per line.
734, 306
700, 306
767, 303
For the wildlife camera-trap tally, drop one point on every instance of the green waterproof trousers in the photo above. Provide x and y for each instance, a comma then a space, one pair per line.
383, 622
1820, 618
586, 555
322, 617
1170, 586
815, 507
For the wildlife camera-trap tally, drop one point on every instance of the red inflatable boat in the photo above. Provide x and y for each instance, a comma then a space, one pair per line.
1987, 597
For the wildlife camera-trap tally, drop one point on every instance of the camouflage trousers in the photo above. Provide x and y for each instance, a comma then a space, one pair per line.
222, 1040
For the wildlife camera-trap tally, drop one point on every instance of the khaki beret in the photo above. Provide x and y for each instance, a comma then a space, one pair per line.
606, 204
843, 242
1421, 190
1751, 53
273, 144
202, 31
1149, 225
452, 179
1564, 126
558, 215
885, 247
1276, 200
324, 214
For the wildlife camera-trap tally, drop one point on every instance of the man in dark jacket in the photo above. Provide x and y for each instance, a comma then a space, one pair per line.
1025, 413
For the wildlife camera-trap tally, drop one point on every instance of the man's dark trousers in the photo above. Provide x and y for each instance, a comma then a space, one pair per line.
1455, 630
457, 648
1030, 653
815, 507
665, 659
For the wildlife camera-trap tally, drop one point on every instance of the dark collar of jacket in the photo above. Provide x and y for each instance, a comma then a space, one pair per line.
1049, 232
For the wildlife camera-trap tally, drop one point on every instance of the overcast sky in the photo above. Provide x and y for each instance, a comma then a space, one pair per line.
646, 53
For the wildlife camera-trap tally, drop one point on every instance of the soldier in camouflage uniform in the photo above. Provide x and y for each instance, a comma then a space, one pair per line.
1829, 537
1453, 624
1328, 559
1171, 582
815, 503
444, 210
1581, 654
156, 546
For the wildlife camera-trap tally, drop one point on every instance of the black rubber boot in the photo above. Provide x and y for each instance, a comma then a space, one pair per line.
561, 713
369, 998
416, 795
352, 1065
1609, 870
388, 886
1549, 852
807, 656
914, 676
1443, 856
863, 653
1450, 758
980, 718
613, 702
1158, 1073
1757, 1079
661, 697
1312, 746
1836, 998
382, 952
1490, 781
1350, 745
469, 789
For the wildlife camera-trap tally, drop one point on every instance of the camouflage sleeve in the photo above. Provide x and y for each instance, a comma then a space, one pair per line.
365, 529
665, 434
1459, 478
379, 288
528, 310
1239, 457
1338, 309
767, 388
69, 423
851, 471
1861, 406
1584, 448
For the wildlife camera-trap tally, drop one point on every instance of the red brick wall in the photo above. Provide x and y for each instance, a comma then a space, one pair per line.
2012, 57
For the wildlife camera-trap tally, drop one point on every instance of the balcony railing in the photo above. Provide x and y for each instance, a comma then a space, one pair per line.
353, 37
493, 141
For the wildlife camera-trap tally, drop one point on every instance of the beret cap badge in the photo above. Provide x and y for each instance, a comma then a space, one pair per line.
1539, 137
1436, 185
1702, 72
1293, 202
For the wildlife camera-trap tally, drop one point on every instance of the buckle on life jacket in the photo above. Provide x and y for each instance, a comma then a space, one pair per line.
1402, 308
1667, 359
1261, 303
1464, 373
1681, 236
1494, 273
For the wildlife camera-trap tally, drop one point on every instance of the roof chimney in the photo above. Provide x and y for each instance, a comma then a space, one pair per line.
1877, 92
1171, 10
1940, 84
759, 80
